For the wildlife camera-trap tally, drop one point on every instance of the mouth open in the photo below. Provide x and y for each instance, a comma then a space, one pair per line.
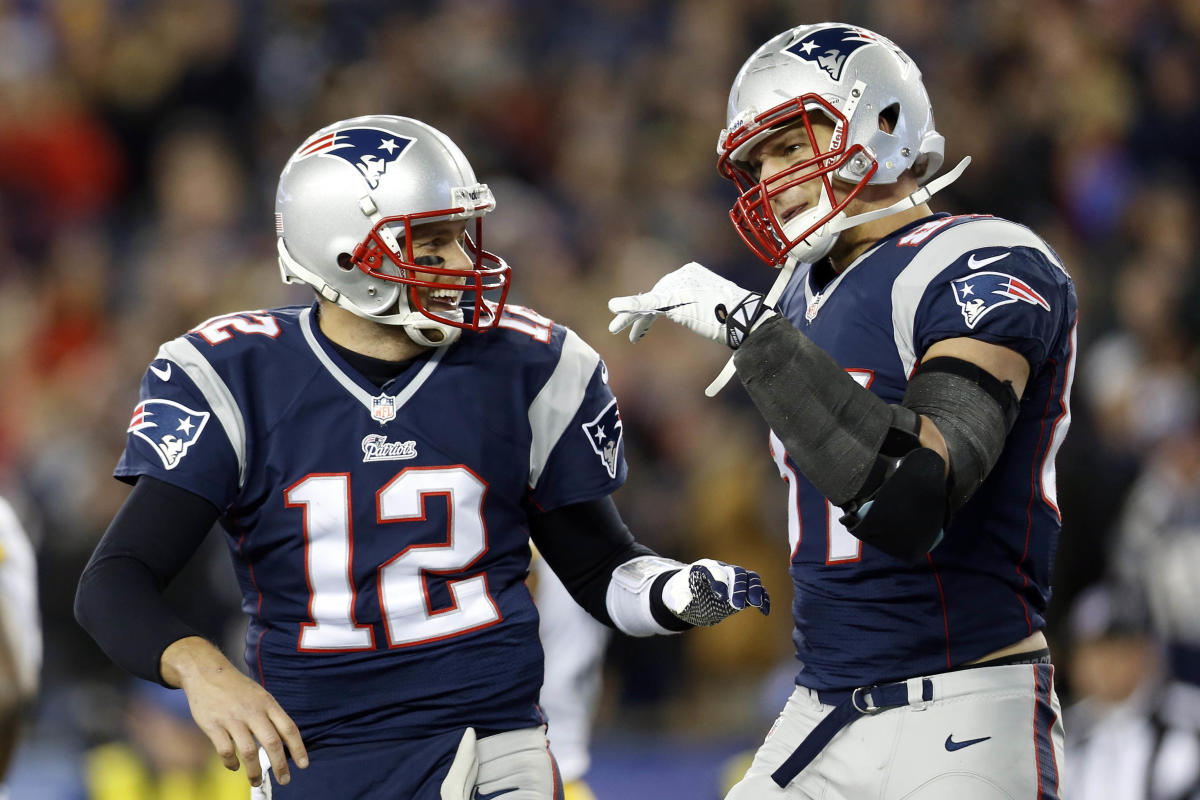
789, 213
443, 300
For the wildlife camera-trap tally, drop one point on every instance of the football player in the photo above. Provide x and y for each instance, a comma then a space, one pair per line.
915, 369
379, 461
20, 633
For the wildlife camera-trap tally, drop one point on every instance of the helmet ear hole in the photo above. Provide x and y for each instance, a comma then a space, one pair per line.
888, 118
345, 261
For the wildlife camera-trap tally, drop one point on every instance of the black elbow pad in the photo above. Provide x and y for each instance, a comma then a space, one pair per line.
907, 516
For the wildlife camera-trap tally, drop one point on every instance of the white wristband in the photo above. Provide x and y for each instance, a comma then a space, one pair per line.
628, 597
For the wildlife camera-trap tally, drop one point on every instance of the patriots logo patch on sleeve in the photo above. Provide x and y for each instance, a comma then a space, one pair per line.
979, 293
604, 434
170, 428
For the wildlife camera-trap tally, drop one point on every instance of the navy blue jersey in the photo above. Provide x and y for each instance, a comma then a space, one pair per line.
380, 536
861, 615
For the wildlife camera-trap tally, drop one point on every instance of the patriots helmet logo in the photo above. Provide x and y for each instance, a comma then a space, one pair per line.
369, 150
828, 48
604, 433
980, 292
168, 427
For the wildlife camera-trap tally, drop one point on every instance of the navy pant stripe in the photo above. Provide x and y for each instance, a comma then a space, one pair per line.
1044, 718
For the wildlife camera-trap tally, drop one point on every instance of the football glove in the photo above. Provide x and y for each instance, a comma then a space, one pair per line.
707, 591
692, 296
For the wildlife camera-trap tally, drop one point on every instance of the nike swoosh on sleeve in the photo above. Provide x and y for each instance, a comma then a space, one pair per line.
976, 263
163, 374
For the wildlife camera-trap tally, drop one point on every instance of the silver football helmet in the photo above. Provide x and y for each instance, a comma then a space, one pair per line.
851, 76
345, 208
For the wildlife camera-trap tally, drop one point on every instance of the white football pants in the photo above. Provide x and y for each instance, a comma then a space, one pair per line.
988, 733
519, 762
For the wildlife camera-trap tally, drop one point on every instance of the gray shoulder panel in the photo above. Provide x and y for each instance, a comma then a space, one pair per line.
559, 400
942, 251
184, 354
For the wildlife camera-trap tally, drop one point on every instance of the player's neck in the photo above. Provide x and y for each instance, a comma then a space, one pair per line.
386, 342
858, 240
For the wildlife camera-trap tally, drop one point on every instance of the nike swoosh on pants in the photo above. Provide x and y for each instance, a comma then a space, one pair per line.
952, 745
481, 796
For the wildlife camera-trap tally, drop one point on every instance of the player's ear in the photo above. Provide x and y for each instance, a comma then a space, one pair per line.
888, 118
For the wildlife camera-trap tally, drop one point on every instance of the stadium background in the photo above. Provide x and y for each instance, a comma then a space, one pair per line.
140, 143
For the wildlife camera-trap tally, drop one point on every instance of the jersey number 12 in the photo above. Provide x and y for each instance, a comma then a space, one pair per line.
403, 594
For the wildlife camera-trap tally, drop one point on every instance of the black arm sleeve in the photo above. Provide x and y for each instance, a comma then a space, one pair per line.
120, 596
583, 543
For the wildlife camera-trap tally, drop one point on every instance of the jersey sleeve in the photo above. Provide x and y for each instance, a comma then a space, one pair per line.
1014, 297
578, 450
178, 431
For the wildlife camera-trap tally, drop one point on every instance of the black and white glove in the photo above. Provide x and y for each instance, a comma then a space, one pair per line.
696, 298
706, 591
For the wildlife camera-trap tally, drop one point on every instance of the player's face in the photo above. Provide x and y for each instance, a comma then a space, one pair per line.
786, 149
440, 244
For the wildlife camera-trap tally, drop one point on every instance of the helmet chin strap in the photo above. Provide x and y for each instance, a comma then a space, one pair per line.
915, 199
417, 332
818, 244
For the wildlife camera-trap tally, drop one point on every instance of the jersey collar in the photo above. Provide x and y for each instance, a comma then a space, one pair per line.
381, 405
813, 300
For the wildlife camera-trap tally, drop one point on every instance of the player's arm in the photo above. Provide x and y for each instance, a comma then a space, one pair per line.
156, 531
626, 585
1004, 363
898, 471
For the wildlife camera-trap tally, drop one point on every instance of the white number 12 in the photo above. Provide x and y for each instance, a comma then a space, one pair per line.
403, 593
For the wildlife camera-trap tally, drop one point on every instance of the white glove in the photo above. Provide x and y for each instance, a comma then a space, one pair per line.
689, 296
708, 591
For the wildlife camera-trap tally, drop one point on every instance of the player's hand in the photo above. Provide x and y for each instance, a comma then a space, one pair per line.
234, 712
707, 591
689, 296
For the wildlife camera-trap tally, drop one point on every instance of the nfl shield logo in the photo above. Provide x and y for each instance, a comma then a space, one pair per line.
383, 408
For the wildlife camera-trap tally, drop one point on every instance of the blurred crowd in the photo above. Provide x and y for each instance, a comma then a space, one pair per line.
140, 142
